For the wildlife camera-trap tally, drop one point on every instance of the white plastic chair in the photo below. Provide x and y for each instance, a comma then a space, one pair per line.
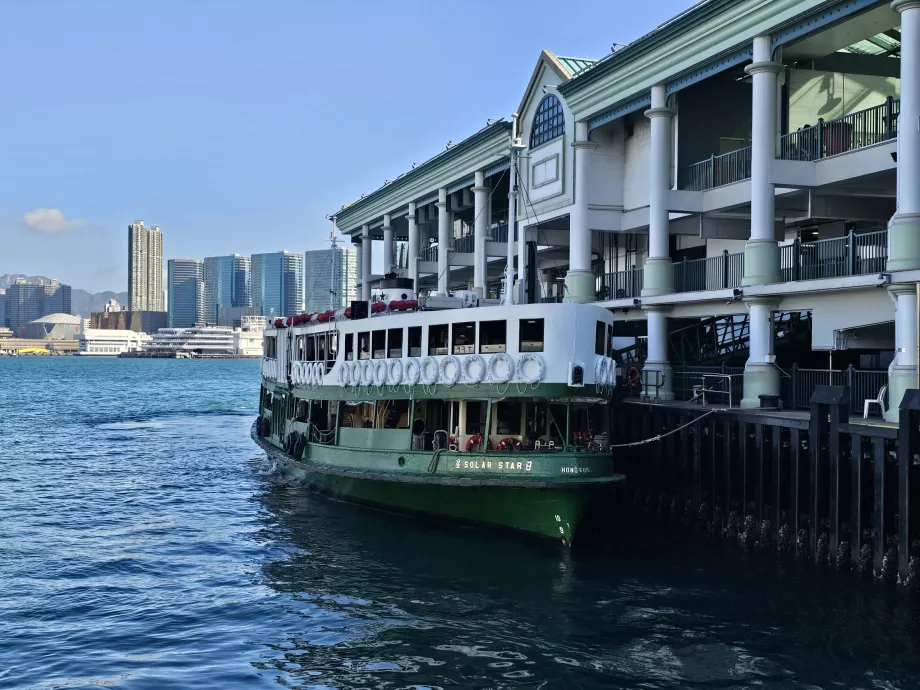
880, 401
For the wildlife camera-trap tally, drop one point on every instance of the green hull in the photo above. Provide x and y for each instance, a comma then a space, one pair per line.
539, 502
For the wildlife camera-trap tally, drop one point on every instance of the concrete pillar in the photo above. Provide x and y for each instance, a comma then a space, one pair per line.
658, 276
366, 262
443, 242
480, 228
579, 281
761, 376
413, 247
389, 244
761, 253
902, 374
904, 227
658, 352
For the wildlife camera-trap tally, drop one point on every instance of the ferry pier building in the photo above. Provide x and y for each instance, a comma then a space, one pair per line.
740, 187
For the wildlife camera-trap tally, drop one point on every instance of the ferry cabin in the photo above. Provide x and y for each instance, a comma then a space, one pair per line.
524, 377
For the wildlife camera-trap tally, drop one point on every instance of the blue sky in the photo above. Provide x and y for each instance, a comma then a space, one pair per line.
236, 126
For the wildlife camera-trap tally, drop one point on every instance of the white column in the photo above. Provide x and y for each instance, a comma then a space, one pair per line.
480, 228
658, 276
579, 281
366, 262
761, 253
904, 227
761, 377
413, 247
657, 360
903, 370
388, 244
443, 242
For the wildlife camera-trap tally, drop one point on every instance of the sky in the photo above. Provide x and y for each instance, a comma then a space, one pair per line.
236, 126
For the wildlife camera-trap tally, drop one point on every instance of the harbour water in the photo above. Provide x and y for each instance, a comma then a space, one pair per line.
144, 544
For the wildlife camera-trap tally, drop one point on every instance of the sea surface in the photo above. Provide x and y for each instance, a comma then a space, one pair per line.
145, 544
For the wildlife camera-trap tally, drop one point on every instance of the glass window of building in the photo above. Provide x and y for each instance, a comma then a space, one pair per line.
548, 122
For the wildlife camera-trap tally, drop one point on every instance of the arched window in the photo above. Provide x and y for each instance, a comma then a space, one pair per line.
548, 123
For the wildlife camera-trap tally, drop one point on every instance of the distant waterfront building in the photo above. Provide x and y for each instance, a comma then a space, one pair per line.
53, 327
4, 319
227, 283
330, 278
277, 283
186, 292
145, 267
200, 340
234, 317
26, 302
109, 343
111, 305
124, 320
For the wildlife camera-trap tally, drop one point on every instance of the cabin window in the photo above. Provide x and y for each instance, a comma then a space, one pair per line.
321, 347
509, 418
493, 336
610, 340
531, 335
349, 346
358, 415
394, 344
311, 348
476, 416
379, 344
332, 350
415, 341
437, 339
464, 338
600, 332
393, 414
364, 345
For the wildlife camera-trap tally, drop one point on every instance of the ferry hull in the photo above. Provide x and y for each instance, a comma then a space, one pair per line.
542, 509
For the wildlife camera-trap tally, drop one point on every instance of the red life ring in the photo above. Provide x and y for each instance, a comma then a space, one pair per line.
505, 443
477, 439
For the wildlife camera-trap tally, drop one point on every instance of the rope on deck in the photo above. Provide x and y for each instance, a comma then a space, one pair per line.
653, 439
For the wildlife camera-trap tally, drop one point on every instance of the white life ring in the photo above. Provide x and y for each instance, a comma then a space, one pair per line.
380, 372
394, 372
300, 373
319, 373
367, 372
600, 372
429, 371
294, 372
611, 371
541, 367
412, 372
479, 371
450, 379
344, 374
494, 361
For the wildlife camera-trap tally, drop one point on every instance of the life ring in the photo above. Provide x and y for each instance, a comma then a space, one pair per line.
450, 379
380, 372
294, 373
611, 371
429, 371
480, 370
344, 374
394, 372
541, 367
633, 380
412, 372
600, 372
367, 372
494, 361
477, 439
509, 444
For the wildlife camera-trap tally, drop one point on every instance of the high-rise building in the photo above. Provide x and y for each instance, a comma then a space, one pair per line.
277, 283
4, 320
186, 292
145, 267
226, 284
330, 277
26, 302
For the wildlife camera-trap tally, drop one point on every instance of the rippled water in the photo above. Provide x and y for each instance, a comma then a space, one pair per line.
144, 545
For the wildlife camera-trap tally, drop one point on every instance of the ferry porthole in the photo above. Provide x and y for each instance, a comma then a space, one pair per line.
449, 375
478, 365
429, 371
401, 462
501, 358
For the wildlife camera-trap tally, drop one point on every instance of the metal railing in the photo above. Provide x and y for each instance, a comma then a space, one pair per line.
429, 253
685, 378
498, 233
621, 284
797, 385
465, 244
854, 254
716, 171
850, 132
711, 273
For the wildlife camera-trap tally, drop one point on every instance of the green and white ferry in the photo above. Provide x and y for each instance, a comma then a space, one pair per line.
488, 414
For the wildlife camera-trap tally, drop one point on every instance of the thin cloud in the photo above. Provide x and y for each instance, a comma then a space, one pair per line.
50, 221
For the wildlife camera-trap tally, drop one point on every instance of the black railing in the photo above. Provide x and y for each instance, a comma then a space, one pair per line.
621, 284
716, 171
854, 131
465, 244
797, 385
712, 273
850, 255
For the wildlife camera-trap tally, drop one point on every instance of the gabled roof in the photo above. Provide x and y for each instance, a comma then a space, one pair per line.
574, 65
564, 67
